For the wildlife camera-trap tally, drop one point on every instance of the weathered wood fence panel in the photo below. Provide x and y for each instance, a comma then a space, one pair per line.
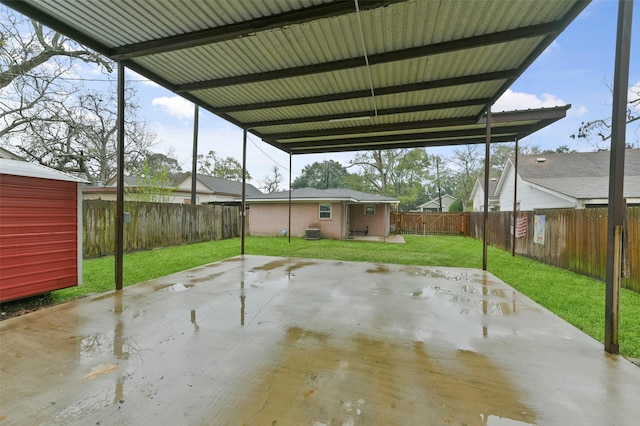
156, 225
418, 223
572, 239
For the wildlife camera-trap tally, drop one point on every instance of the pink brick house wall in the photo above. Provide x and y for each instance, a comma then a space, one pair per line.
269, 219
376, 222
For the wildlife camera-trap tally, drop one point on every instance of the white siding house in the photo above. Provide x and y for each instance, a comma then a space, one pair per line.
434, 205
569, 180
477, 195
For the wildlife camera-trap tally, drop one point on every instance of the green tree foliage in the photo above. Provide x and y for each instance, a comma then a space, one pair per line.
153, 184
399, 173
456, 206
327, 174
158, 163
225, 168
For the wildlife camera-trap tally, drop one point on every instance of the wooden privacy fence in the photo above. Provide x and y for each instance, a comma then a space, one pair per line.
156, 225
430, 223
572, 239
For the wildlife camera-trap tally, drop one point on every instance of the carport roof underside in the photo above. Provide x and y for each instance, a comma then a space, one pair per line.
311, 76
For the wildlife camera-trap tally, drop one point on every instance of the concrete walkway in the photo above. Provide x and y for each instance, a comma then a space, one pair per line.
260, 340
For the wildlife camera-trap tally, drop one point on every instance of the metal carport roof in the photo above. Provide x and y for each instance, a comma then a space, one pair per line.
320, 75
330, 75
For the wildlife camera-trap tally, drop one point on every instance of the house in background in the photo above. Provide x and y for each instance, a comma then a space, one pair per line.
40, 228
336, 213
477, 195
434, 205
575, 180
209, 190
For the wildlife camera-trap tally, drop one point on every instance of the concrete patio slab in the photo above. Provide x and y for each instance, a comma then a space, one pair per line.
258, 340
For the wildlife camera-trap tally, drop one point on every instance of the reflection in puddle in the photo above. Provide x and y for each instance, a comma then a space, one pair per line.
177, 287
379, 269
484, 302
196, 327
242, 301
291, 265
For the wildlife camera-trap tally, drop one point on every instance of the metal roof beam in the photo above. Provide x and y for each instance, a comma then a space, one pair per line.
376, 128
380, 91
242, 29
527, 115
366, 114
319, 149
382, 58
398, 138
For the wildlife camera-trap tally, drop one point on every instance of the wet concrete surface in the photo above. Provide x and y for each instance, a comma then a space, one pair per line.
258, 340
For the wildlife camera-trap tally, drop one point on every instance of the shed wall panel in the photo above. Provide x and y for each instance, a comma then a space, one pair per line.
38, 236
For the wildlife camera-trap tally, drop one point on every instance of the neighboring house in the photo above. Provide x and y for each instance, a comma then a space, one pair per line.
571, 180
337, 213
434, 205
477, 195
209, 189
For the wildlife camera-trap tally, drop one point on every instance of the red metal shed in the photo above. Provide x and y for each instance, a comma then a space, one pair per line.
40, 229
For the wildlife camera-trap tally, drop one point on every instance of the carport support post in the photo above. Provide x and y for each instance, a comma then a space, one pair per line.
515, 201
289, 230
617, 209
119, 243
485, 213
243, 205
194, 156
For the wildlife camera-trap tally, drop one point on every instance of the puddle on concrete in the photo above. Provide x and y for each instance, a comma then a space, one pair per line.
291, 265
483, 300
379, 269
209, 277
175, 288
100, 370
317, 380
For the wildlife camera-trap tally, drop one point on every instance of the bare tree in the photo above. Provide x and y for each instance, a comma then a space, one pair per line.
271, 182
33, 63
600, 129
48, 115
82, 139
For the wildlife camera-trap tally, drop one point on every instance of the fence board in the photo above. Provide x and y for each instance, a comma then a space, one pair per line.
418, 223
573, 239
156, 225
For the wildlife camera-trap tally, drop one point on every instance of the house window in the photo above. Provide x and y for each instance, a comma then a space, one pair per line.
325, 211
369, 210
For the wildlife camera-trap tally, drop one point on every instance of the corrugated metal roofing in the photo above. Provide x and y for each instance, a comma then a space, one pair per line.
303, 61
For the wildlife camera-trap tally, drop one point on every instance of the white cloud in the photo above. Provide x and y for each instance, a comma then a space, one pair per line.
175, 106
577, 112
552, 48
511, 101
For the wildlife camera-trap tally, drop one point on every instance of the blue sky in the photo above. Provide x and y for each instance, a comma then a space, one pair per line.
576, 69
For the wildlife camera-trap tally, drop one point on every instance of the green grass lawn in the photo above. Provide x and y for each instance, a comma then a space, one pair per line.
577, 299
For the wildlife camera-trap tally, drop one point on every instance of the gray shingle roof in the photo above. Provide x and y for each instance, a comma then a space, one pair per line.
580, 175
223, 186
333, 194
